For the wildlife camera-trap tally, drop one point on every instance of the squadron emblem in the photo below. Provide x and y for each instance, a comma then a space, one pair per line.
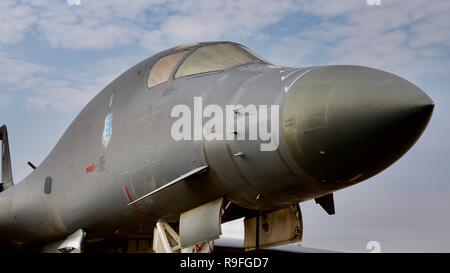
107, 130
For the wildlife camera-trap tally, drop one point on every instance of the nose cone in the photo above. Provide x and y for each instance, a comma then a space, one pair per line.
344, 124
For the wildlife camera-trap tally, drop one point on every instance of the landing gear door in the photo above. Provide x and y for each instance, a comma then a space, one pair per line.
273, 228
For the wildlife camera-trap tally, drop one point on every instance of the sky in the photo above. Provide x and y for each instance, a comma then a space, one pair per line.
55, 56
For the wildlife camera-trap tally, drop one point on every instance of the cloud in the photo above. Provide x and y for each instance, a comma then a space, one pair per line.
153, 25
20, 74
77, 87
16, 20
92, 25
332, 8
407, 38
85, 35
108, 24
211, 20
62, 90
154, 41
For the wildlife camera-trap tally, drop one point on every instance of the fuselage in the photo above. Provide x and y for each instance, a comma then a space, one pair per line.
94, 177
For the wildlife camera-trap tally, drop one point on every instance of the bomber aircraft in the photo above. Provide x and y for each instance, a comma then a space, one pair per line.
203, 134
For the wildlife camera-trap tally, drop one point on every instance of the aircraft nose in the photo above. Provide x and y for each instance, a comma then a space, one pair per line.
344, 124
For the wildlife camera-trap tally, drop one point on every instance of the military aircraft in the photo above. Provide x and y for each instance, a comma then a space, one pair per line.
202, 134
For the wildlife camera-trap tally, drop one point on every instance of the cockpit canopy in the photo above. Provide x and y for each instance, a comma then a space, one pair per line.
198, 59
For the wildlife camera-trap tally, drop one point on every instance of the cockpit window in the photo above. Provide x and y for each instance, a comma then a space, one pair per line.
163, 68
213, 58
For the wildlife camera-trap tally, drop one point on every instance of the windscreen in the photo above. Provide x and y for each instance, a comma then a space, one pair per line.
213, 58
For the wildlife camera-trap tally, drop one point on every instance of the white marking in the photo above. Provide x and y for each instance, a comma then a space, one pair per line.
73, 2
374, 2
374, 247
284, 70
111, 99
296, 70
107, 130
196, 170
286, 88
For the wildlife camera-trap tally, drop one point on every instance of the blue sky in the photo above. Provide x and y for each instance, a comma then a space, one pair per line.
55, 57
